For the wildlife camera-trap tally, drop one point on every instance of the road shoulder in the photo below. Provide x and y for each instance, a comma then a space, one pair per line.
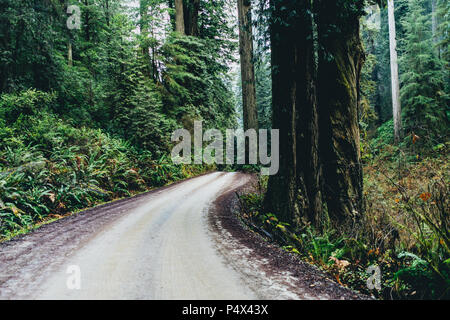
264, 266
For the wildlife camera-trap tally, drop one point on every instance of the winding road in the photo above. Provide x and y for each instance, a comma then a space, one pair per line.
159, 245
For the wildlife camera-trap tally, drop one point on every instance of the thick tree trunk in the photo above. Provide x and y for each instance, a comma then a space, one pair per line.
247, 66
179, 17
396, 107
308, 166
194, 24
281, 193
340, 61
107, 13
293, 194
191, 9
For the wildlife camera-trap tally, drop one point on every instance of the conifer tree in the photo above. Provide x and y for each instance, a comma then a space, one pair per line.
422, 91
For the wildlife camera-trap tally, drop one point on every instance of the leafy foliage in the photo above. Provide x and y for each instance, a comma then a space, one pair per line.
86, 115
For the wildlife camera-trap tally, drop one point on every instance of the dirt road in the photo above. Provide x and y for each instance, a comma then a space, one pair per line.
168, 244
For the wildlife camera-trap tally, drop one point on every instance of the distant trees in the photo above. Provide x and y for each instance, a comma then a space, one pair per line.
179, 17
422, 68
395, 85
443, 39
136, 85
27, 57
423, 88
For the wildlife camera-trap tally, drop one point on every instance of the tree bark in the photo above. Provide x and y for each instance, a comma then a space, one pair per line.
308, 166
69, 53
191, 9
340, 61
434, 19
396, 107
247, 67
281, 193
145, 32
294, 194
179, 17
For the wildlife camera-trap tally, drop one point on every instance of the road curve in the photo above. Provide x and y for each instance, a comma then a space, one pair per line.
158, 249
179, 242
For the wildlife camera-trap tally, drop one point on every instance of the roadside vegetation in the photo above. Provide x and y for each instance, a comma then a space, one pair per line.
86, 114
50, 168
373, 193
405, 230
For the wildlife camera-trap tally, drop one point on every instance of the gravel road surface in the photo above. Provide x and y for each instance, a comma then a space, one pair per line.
171, 243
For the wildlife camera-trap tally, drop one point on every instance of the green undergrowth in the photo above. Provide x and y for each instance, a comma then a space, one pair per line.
404, 232
50, 168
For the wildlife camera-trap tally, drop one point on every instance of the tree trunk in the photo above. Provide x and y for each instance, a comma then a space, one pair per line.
293, 194
87, 23
340, 61
145, 32
281, 193
308, 166
191, 9
179, 17
247, 66
69, 53
396, 107
434, 19
434, 26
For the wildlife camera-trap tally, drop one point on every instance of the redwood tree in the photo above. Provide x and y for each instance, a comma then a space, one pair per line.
293, 194
247, 66
340, 61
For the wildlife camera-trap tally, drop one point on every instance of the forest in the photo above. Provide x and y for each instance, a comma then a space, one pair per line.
92, 90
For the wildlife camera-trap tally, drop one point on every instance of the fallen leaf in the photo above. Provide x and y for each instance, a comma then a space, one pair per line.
425, 196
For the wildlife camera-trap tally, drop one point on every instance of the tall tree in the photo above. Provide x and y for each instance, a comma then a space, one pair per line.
247, 66
395, 85
426, 102
383, 100
339, 66
443, 34
293, 193
144, 29
179, 17
191, 10
434, 20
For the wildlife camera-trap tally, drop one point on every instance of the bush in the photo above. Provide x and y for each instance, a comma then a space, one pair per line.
25, 103
52, 168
